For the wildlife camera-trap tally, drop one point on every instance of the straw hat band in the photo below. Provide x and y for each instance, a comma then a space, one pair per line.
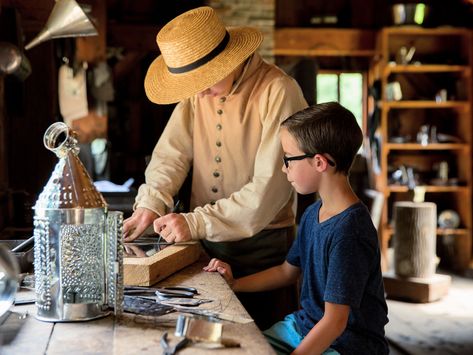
208, 57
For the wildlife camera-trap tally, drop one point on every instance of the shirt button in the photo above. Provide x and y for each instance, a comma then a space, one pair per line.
219, 126
216, 174
214, 189
223, 99
219, 112
212, 203
218, 144
218, 159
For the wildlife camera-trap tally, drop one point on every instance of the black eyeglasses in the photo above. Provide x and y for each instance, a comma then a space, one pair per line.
286, 160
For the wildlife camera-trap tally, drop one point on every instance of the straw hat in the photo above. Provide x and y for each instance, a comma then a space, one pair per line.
197, 51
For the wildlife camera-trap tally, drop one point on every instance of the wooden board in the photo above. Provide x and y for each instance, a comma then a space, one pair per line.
149, 270
414, 289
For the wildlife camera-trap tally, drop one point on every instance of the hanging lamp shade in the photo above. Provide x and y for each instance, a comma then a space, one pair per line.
67, 19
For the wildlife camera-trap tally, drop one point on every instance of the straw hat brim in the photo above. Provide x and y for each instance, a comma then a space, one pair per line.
164, 87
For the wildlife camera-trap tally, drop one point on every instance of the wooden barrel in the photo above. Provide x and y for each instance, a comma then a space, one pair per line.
415, 236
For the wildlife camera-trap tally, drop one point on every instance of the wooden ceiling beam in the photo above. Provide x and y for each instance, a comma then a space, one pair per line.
133, 37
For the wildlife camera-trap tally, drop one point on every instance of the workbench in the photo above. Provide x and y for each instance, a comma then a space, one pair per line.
135, 334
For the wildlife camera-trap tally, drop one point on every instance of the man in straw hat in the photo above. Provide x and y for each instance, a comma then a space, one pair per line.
225, 126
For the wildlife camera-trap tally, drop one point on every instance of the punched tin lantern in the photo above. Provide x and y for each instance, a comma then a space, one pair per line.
78, 243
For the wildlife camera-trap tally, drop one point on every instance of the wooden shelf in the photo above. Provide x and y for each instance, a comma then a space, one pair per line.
324, 42
421, 104
430, 68
432, 146
431, 188
418, 81
440, 231
419, 31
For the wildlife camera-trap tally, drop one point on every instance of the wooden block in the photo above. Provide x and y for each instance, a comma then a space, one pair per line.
415, 289
149, 270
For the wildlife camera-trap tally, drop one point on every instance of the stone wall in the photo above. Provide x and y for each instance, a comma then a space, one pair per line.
253, 13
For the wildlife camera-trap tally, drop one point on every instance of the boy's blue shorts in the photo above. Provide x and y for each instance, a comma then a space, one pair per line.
284, 337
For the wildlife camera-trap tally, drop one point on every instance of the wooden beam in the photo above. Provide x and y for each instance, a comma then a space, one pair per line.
324, 42
133, 37
36, 12
3, 155
146, 271
94, 49
127, 64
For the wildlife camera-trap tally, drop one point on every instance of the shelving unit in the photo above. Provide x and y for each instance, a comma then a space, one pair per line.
442, 60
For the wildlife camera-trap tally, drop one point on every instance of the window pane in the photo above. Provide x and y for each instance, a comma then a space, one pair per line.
351, 94
327, 88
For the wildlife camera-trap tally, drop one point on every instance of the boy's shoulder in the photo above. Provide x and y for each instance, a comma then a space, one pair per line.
356, 224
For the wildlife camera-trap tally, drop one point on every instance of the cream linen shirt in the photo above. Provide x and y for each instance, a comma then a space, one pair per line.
232, 143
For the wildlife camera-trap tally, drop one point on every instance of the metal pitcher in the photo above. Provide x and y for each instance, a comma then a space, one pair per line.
78, 242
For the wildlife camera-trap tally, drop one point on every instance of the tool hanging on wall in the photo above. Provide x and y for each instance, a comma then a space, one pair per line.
67, 19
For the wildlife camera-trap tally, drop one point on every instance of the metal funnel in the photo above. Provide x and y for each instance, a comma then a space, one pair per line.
67, 19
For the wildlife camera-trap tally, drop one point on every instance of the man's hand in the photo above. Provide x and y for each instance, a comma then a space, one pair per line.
216, 265
173, 228
134, 226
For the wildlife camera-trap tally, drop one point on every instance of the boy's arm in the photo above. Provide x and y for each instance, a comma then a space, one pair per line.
269, 279
324, 333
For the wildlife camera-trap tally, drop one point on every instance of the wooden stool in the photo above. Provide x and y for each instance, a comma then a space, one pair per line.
415, 259
415, 237
416, 289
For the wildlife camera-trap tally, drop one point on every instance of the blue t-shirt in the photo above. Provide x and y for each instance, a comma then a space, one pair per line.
340, 263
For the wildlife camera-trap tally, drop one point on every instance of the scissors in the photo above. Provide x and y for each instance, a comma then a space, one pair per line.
168, 350
163, 292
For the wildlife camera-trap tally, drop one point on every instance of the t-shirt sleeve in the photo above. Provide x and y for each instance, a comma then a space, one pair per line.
350, 263
294, 255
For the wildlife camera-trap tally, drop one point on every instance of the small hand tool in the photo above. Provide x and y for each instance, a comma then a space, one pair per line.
163, 292
168, 350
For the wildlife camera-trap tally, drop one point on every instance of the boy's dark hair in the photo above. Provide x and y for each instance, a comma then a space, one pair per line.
327, 128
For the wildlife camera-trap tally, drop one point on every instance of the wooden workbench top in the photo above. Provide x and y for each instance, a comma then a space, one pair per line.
133, 334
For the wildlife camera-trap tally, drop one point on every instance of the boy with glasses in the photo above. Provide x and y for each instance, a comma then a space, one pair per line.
343, 309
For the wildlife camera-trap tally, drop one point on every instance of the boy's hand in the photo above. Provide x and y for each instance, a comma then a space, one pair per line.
216, 265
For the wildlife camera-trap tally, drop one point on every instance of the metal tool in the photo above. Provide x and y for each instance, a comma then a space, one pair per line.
163, 292
157, 243
198, 328
184, 302
176, 292
214, 315
168, 350
144, 306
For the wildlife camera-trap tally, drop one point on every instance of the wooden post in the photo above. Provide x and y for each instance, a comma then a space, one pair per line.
3, 160
415, 234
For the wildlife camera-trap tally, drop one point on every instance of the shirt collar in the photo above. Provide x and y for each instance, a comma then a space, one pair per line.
250, 66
